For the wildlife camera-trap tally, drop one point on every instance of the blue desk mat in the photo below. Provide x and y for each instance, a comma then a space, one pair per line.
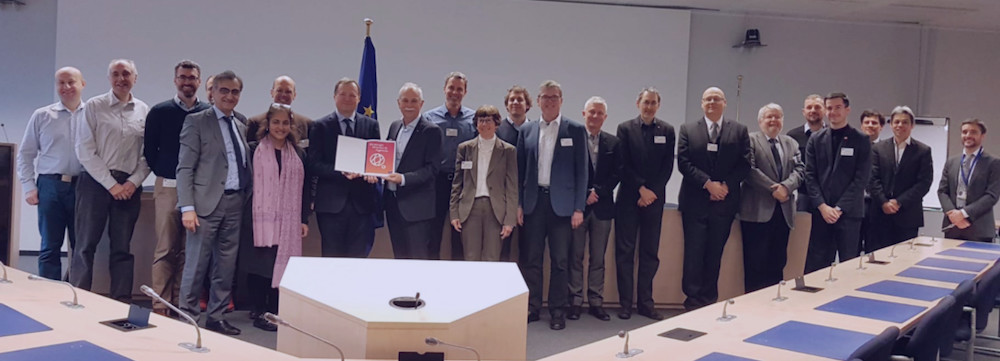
16, 323
936, 275
718, 356
812, 339
76, 350
980, 245
906, 290
953, 264
970, 254
873, 309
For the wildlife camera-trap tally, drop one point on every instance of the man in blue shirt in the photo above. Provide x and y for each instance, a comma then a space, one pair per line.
458, 126
51, 183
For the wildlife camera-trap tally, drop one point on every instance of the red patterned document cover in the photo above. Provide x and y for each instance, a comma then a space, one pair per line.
380, 157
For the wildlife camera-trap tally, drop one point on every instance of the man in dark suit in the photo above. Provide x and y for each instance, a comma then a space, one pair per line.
814, 111
902, 173
213, 184
602, 178
518, 102
344, 202
766, 207
409, 191
872, 123
282, 92
647, 161
713, 154
552, 177
838, 167
970, 187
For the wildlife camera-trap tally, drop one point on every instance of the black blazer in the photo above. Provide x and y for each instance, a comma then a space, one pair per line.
730, 164
507, 133
907, 183
604, 179
799, 134
837, 179
419, 166
643, 163
333, 190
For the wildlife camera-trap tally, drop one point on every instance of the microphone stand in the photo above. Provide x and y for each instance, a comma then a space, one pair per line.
74, 304
195, 347
4, 279
274, 319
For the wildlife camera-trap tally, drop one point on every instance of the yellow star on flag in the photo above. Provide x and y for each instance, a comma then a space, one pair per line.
369, 111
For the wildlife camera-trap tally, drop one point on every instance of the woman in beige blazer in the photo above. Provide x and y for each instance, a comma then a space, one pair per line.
484, 192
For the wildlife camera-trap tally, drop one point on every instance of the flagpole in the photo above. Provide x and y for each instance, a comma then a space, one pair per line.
368, 26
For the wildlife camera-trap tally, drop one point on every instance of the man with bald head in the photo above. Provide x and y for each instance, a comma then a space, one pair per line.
713, 155
282, 92
109, 145
162, 147
51, 183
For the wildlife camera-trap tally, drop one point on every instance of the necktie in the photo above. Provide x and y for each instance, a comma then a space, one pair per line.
238, 150
714, 133
593, 151
777, 157
348, 129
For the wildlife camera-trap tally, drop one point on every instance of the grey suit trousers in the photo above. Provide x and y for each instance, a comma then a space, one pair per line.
597, 231
218, 238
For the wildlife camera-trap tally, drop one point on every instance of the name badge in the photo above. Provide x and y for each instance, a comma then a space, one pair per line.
304, 143
847, 152
566, 142
451, 132
467, 164
169, 183
66, 178
660, 139
712, 147
961, 195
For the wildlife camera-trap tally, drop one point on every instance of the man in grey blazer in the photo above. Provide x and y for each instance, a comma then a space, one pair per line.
767, 205
213, 183
552, 180
970, 187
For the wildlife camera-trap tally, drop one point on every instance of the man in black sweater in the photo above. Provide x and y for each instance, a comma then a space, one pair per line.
162, 146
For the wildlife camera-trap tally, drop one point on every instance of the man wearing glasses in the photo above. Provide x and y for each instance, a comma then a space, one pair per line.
162, 146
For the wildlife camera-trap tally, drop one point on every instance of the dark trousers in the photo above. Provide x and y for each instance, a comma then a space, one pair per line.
765, 251
591, 237
212, 250
887, 233
543, 223
634, 223
262, 297
56, 202
95, 209
345, 234
866, 236
409, 239
442, 207
705, 238
827, 240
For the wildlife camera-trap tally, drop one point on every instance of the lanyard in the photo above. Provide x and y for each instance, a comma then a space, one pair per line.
961, 170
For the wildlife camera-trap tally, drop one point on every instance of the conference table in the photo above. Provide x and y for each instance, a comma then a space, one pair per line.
828, 324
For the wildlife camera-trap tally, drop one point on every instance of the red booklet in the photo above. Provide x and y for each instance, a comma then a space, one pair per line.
380, 157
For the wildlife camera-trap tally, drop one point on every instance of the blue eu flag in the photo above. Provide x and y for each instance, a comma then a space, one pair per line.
368, 82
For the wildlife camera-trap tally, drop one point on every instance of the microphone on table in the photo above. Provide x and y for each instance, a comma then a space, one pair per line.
431, 341
196, 347
4, 279
73, 304
861, 262
780, 298
830, 278
725, 316
277, 321
626, 352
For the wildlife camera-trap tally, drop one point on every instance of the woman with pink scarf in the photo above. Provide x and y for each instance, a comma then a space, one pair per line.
279, 211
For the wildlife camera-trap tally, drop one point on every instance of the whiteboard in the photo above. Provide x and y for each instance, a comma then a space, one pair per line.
933, 132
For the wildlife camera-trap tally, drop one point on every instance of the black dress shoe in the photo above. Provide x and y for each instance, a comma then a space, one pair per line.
599, 313
532, 317
625, 314
574, 313
222, 327
651, 314
254, 315
262, 324
558, 322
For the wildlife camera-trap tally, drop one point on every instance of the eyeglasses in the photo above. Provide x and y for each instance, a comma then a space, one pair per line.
486, 120
227, 91
187, 78
549, 98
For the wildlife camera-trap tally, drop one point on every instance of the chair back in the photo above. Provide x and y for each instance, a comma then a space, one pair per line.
879, 348
963, 297
986, 293
926, 340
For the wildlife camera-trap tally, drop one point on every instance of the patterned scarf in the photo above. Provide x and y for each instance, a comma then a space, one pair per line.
277, 203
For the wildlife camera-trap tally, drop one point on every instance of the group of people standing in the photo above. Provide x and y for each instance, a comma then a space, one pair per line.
233, 192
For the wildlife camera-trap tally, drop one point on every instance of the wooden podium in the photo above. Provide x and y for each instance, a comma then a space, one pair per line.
482, 305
